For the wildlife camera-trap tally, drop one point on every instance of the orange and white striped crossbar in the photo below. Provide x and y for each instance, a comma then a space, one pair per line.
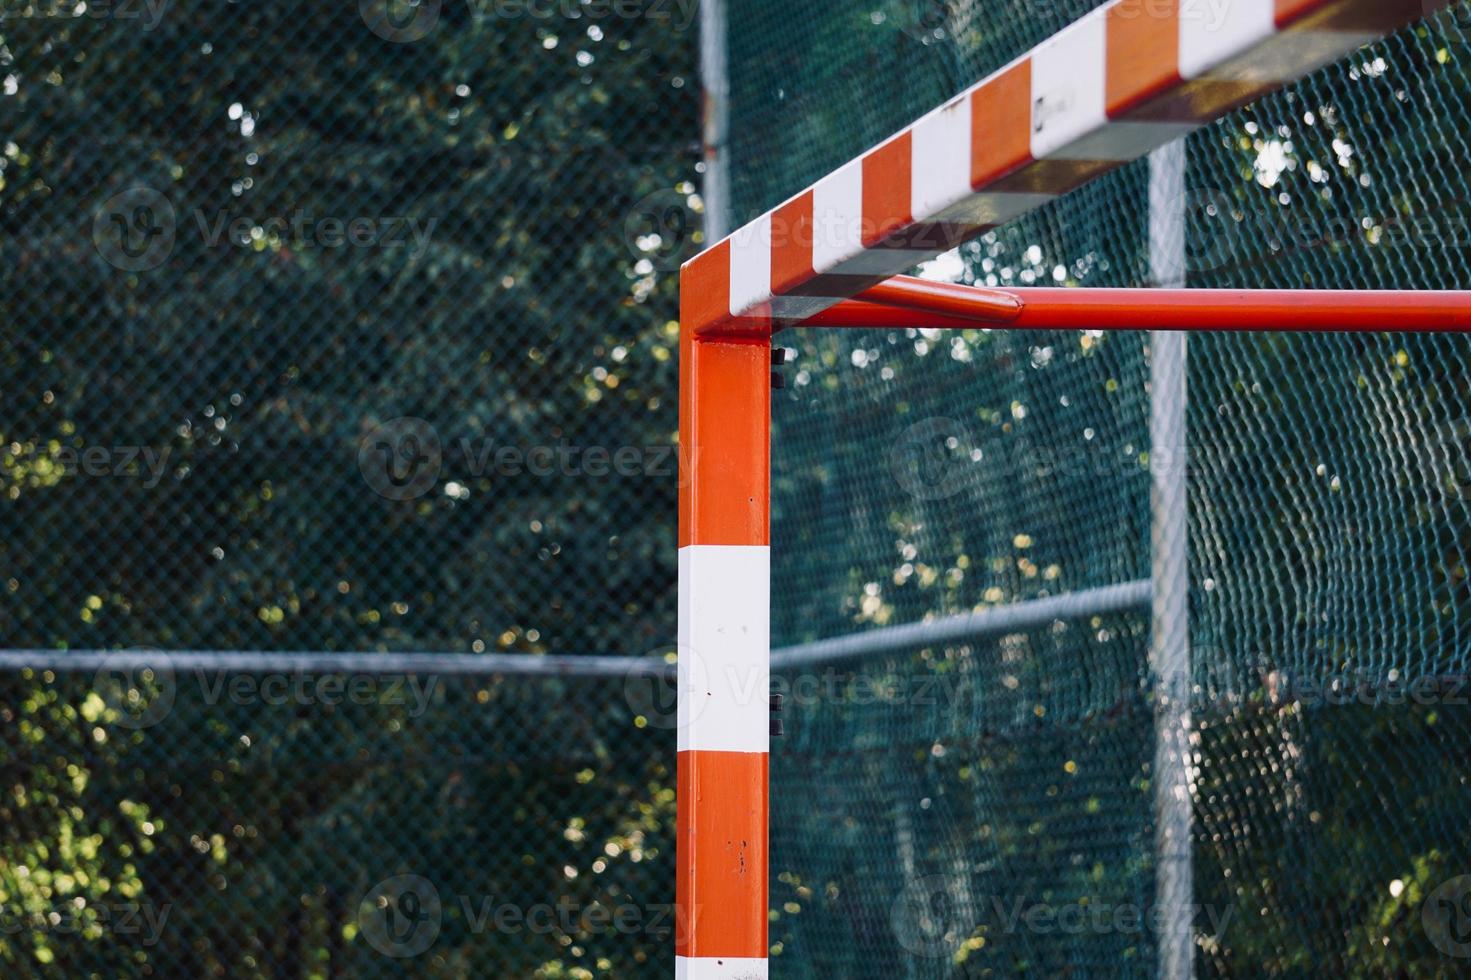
1122, 81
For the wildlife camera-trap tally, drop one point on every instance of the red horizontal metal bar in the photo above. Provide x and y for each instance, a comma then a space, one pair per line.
1267, 310
945, 298
857, 315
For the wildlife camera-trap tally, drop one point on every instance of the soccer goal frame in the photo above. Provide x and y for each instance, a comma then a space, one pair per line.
1123, 81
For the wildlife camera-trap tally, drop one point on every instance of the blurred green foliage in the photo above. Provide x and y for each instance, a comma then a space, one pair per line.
182, 467
551, 161
255, 365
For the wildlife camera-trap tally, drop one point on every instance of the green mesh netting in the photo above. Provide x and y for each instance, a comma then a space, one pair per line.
974, 810
985, 809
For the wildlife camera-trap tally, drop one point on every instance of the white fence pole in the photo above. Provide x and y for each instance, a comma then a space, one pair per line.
1169, 651
715, 80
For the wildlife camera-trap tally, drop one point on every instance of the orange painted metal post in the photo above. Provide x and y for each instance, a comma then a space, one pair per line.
724, 650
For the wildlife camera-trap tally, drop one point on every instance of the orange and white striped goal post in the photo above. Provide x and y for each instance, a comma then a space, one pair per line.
1124, 80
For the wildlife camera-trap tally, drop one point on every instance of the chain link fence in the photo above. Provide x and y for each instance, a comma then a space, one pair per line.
347, 330
291, 291
986, 805
166, 816
335, 328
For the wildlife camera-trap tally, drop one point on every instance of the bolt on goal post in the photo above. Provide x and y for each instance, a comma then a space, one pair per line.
1130, 77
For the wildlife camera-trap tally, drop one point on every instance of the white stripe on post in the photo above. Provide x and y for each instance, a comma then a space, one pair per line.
718, 968
837, 217
724, 648
939, 170
1210, 37
1068, 86
750, 265
1069, 101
